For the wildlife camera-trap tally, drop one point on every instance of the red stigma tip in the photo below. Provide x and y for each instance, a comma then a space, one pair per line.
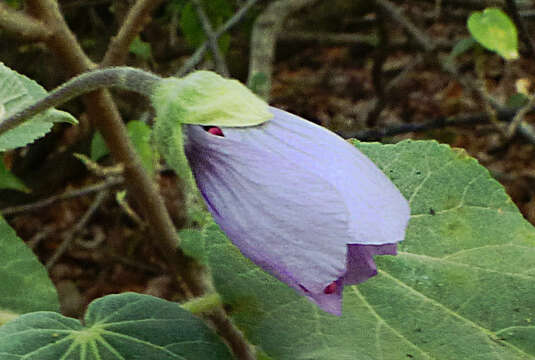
214, 130
331, 288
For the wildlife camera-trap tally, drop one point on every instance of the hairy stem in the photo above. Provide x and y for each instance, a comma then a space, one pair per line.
123, 77
205, 303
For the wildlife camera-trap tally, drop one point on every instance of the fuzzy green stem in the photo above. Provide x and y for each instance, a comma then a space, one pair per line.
203, 304
121, 77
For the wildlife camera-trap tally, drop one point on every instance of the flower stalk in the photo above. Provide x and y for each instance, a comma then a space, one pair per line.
121, 77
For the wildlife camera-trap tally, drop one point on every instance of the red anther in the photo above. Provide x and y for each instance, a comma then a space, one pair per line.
214, 130
331, 288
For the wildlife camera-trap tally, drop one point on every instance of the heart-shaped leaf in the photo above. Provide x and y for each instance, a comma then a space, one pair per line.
493, 29
126, 326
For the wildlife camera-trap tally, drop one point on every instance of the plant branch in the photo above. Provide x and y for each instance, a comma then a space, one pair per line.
221, 66
69, 237
136, 19
376, 134
123, 77
18, 23
232, 335
521, 26
201, 50
110, 182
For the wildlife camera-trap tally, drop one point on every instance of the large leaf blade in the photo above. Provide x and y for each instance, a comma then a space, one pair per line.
25, 283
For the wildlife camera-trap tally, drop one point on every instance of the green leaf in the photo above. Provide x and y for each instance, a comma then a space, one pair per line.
517, 100
10, 181
125, 326
16, 93
99, 149
461, 287
493, 29
141, 49
140, 135
25, 285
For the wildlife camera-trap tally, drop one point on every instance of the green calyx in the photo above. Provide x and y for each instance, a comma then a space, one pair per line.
205, 98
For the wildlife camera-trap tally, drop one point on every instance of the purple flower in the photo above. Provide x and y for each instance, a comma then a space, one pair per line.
299, 201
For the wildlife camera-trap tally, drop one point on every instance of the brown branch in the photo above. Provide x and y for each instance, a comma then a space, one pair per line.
69, 237
137, 18
20, 24
221, 66
110, 182
441, 122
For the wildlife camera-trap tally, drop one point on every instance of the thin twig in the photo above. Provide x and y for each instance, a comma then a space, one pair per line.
201, 50
109, 182
521, 26
137, 18
22, 25
440, 122
71, 234
220, 65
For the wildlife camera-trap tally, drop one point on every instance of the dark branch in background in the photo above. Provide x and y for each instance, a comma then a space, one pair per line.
521, 26
263, 38
69, 237
441, 122
220, 65
18, 23
108, 183
201, 50
136, 19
